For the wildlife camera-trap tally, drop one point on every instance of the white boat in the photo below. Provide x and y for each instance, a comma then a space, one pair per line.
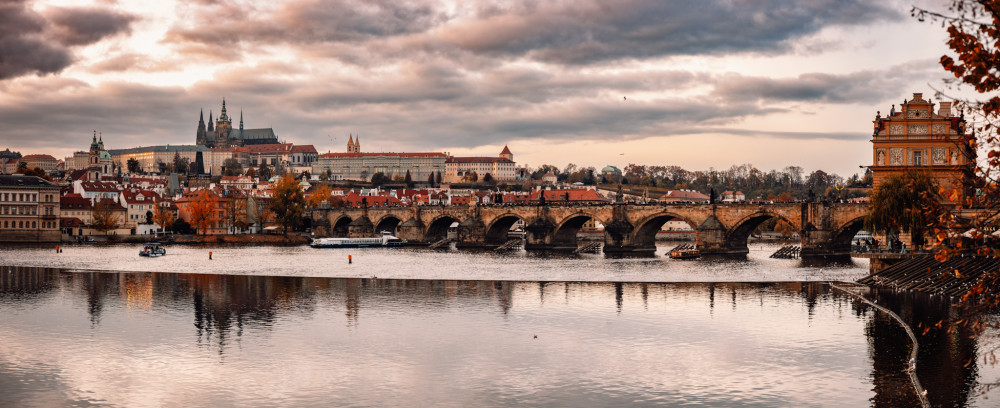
386, 240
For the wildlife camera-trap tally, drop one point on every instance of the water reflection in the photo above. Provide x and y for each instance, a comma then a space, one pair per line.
222, 310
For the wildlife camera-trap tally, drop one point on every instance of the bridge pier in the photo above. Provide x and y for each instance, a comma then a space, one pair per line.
361, 227
412, 230
471, 234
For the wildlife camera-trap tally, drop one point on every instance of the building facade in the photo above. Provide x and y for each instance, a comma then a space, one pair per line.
500, 168
41, 161
150, 157
355, 165
29, 209
918, 138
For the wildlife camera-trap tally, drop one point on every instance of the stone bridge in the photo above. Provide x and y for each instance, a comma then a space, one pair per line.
826, 228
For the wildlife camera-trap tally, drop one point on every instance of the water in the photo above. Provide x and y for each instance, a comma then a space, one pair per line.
455, 329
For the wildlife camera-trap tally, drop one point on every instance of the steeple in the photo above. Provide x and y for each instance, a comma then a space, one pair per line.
357, 144
350, 144
100, 141
93, 143
222, 116
211, 126
241, 120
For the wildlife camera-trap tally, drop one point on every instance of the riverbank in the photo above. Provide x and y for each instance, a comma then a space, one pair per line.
241, 239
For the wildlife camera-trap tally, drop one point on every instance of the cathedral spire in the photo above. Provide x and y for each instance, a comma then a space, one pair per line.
241, 120
350, 143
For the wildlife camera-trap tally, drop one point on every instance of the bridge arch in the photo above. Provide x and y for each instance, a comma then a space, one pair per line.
438, 228
567, 229
646, 229
498, 229
843, 236
388, 222
339, 225
740, 231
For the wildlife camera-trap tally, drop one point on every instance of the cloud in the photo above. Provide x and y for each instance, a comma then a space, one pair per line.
34, 43
576, 32
81, 26
863, 86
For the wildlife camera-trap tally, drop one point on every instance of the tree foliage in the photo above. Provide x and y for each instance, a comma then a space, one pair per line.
320, 194
236, 211
201, 211
287, 203
133, 165
905, 202
163, 216
232, 167
104, 216
181, 164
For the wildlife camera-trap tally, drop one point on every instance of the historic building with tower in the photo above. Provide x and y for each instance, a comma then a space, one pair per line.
221, 134
500, 168
918, 138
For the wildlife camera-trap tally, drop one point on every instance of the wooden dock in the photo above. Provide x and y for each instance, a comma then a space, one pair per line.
787, 252
923, 273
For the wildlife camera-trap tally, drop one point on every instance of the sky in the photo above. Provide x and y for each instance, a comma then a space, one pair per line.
698, 84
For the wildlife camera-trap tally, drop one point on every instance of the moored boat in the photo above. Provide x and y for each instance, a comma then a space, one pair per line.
153, 249
685, 254
386, 240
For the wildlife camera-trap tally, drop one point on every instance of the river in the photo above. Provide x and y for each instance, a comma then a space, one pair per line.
295, 326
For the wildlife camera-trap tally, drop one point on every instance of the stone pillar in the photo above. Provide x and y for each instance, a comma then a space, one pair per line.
471, 233
538, 234
361, 227
618, 236
819, 240
412, 230
711, 239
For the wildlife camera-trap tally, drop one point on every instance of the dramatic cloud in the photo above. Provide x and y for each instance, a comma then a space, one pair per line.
33, 43
80, 26
563, 32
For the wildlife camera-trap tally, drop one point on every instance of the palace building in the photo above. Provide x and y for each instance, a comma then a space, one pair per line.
918, 138
355, 165
222, 134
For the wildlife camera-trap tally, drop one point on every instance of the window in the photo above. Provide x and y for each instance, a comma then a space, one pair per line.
917, 159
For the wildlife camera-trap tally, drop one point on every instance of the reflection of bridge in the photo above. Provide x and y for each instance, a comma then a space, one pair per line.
722, 229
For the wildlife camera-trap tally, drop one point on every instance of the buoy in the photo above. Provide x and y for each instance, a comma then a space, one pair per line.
209, 255
57, 249
349, 259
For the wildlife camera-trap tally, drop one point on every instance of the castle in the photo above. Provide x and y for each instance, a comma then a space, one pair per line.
223, 135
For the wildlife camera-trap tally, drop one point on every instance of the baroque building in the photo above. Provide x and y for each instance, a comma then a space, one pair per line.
918, 138
355, 165
500, 168
221, 134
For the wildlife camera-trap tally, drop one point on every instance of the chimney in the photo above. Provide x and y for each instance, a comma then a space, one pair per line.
945, 109
918, 96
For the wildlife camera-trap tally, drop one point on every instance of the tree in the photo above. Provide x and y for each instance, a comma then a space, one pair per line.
133, 165
408, 179
320, 195
287, 202
162, 216
201, 210
149, 217
379, 179
236, 212
181, 227
437, 178
430, 179
251, 172
974, 38
104, 216
265, 172
232, 167
181, 164
904, 203
488, 178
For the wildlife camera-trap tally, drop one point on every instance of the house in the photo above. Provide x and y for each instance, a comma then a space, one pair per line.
730, 196
549, 178
75, 206
137, 204
686, 196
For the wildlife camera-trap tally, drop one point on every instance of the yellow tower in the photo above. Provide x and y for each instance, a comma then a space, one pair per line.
918, 138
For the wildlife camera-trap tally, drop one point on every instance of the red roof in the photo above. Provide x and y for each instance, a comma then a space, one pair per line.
303, 149
71, 222
389, 154
561, 195
506, 150
98, 186
74, 202
133, 196
269, 148
37, 157
478, 160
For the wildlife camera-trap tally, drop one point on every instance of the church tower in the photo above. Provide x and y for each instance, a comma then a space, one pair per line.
201, 137
353, 146
506, 154
223, 126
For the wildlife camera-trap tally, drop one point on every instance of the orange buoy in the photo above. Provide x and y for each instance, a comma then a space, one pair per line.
349, 259
209, 255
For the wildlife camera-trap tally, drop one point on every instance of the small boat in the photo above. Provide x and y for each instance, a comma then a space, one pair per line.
153, 249
386, 240
685, 254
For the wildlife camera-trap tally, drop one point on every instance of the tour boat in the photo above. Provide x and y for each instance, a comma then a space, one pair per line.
685, 254
386, 240
153, 249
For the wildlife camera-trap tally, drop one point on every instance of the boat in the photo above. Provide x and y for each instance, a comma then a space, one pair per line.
685, 254
153, 249
386, 240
